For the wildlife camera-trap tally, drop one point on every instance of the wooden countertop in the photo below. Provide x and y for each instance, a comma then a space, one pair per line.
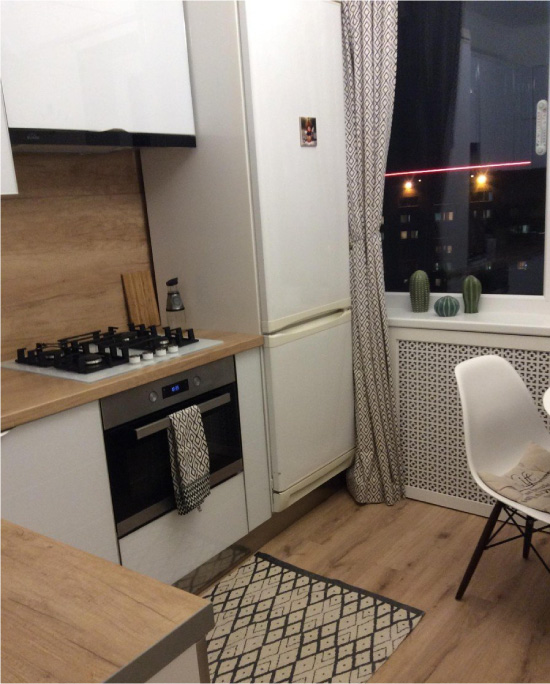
29, 396
69, 616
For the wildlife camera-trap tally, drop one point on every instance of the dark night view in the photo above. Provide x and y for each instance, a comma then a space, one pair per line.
465, 186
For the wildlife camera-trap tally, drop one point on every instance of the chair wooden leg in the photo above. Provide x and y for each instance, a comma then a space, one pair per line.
529, 523
480, 548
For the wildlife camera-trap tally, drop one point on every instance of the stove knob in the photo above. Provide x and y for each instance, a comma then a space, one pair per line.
173, 349
197, 381
161, 351
153, 396
147, 356
135, 359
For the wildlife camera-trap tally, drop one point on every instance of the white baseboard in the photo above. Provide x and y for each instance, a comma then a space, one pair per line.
455, 502
448, 501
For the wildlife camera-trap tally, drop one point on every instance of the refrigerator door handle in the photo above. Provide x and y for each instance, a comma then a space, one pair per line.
311, 327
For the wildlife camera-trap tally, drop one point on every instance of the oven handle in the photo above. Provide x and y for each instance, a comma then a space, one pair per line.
164, 423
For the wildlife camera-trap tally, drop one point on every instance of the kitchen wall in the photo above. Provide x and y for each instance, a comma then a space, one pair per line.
78, 222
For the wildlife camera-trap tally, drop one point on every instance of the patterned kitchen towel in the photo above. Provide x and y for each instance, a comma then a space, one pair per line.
528, 482
189, 459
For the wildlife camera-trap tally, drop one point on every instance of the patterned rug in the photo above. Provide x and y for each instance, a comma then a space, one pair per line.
278, 623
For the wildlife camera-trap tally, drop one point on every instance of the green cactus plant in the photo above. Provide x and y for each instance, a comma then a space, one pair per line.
447, 306
419, 289
471, 292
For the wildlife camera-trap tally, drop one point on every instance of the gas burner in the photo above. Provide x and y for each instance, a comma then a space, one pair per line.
96, 350
92, 359
52, 354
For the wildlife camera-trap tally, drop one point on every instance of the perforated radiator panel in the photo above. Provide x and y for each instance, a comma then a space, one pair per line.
431, 417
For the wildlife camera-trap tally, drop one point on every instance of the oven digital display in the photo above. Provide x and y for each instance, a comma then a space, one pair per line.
175, 388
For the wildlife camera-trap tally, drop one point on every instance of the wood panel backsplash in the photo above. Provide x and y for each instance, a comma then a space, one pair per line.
78, 223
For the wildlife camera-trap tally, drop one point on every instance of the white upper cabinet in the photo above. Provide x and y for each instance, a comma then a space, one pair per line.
96, 66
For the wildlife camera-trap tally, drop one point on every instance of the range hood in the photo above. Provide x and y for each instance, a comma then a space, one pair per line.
112, 138
96, 74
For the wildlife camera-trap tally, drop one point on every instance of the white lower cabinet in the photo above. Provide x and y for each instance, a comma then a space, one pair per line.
173, 545
55, 480
8, 181
184, 668
253, 437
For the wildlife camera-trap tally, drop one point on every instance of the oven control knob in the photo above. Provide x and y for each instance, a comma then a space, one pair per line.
153, 396
196, 381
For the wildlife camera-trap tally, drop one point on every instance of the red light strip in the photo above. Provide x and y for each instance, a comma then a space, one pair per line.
457, 168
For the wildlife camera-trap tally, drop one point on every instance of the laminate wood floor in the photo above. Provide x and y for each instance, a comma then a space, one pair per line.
416, 553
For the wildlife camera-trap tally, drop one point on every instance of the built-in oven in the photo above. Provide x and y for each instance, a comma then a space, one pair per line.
135, 424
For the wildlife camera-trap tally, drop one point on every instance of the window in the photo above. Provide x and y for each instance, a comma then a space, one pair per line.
464, 172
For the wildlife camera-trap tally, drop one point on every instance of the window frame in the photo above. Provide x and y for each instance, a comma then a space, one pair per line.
529, 311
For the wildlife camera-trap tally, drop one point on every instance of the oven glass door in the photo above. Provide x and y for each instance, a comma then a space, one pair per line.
139, 463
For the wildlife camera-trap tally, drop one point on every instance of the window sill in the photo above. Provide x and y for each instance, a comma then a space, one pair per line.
498, 314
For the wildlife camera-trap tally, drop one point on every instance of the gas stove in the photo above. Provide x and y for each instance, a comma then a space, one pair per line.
98, 354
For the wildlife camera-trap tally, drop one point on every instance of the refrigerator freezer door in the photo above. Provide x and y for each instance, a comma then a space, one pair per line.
310, 399
300, 197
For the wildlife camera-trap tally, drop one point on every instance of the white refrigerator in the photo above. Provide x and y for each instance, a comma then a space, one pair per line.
292, 61
261, 220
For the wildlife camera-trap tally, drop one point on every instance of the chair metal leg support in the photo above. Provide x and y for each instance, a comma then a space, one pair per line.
529, 523
480, 548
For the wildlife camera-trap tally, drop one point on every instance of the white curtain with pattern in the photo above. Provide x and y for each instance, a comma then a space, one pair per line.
369, 32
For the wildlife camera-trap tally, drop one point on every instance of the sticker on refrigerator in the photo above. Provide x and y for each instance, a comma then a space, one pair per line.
308, 131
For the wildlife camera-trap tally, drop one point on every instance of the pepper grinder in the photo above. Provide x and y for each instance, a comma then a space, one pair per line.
175, 311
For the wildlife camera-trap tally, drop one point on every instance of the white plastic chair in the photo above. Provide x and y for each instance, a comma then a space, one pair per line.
500, 419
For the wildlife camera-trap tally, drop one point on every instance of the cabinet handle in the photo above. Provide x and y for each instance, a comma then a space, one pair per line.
541, 126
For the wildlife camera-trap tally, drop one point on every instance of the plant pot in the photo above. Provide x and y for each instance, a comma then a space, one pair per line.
419, 289
447, 306
471, 292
